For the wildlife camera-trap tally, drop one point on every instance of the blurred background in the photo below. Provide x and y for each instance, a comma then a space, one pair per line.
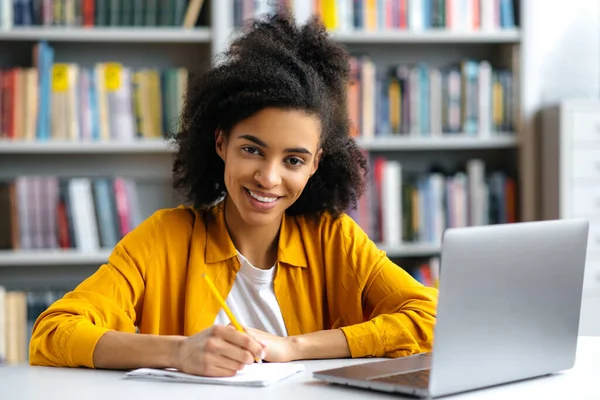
470, 112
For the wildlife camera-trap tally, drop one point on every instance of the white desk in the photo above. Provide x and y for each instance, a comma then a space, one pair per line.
27, 383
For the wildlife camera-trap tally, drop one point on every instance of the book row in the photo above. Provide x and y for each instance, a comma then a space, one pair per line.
101, 13
404, 206
108, 101
470, 97
45, 212
381, 15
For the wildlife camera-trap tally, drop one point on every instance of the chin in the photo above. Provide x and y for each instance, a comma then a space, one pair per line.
260, 219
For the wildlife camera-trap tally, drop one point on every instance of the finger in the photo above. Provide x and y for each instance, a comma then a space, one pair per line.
215, 370
240, 340
224, 362
236, 353
255, 333
212, 364
243, 340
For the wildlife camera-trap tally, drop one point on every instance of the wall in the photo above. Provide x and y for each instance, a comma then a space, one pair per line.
560, 59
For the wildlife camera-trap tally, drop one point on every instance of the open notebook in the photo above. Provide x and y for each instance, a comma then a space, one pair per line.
252, 375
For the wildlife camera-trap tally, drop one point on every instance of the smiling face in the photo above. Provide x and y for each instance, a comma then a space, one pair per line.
269, 158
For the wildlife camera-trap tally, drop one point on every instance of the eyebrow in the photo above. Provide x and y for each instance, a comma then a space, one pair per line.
259, 142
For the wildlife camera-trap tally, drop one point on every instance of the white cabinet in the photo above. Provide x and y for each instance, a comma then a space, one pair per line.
570, 172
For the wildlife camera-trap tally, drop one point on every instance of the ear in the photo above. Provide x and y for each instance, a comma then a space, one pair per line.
316, 161
220, 144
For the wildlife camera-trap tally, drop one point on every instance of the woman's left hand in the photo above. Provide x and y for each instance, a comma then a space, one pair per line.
278, 349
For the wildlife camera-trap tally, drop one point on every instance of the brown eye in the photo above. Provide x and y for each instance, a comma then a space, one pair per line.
251, 150
295, 161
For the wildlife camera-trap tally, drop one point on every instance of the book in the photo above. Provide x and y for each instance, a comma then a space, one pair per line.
255, 374
19, 310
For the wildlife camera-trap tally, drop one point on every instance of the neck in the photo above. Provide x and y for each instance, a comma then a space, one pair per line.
257, 243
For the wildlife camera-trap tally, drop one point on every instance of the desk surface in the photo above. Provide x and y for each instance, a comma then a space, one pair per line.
26, 383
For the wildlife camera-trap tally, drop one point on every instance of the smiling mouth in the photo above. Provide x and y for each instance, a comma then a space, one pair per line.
262, 199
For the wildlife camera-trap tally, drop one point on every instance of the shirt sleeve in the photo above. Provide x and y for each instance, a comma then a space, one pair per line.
66, 333
401, 311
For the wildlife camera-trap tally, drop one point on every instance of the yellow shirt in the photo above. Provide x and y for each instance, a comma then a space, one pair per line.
329, 275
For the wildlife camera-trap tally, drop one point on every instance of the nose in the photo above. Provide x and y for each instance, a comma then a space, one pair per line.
268, 175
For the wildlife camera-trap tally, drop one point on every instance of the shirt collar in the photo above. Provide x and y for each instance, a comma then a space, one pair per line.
219, 246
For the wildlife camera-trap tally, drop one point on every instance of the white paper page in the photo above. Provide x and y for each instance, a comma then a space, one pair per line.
252, 375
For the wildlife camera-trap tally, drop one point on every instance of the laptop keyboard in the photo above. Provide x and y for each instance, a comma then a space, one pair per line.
418, 379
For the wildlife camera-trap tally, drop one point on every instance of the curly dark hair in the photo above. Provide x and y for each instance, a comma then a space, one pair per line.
274, 63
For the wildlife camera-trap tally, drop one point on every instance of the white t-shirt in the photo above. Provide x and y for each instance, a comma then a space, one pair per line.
252, 300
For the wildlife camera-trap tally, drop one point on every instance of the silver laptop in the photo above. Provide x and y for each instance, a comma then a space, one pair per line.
509, 306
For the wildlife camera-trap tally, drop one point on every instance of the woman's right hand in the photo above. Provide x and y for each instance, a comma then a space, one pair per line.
217, 351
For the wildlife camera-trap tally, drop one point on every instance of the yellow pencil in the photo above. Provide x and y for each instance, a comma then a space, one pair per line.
230, 315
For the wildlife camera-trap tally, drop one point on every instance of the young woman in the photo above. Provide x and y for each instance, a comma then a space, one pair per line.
267, 163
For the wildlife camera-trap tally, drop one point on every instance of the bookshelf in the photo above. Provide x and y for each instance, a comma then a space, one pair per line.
148, 162
158, 44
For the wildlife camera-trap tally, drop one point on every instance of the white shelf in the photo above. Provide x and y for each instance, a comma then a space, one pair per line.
116, 34
75, 147
454, 142
66, 257
411, 250
394, 143
18, 258
428, 36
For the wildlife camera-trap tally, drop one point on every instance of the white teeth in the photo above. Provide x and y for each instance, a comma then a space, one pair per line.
262, 199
